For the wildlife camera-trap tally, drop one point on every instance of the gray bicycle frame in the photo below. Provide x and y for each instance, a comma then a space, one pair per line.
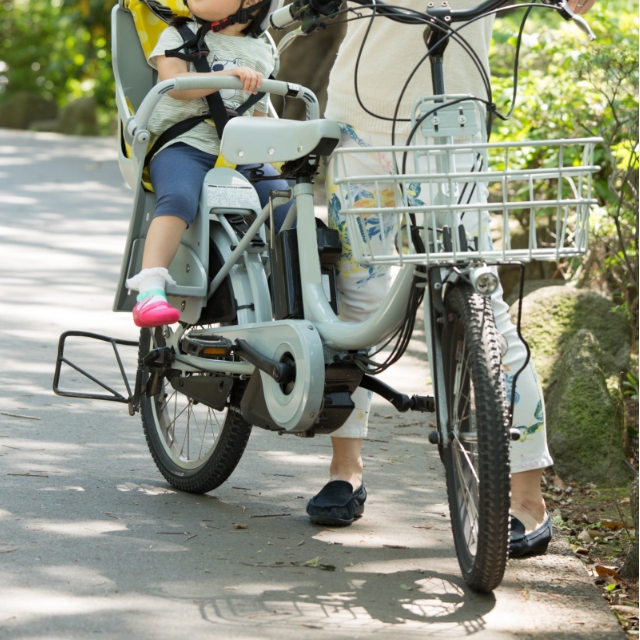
335, 333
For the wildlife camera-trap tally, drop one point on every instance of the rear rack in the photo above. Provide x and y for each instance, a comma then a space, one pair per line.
133, 399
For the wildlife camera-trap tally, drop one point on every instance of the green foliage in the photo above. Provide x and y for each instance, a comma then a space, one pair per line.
569, 88
57, 48
630, 385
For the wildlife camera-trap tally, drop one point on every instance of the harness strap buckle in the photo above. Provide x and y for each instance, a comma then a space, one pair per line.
218, 26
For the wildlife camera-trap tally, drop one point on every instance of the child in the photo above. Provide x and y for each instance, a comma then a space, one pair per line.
177, 170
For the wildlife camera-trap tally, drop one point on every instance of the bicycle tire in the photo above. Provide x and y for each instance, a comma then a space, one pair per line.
476, 451
209, 470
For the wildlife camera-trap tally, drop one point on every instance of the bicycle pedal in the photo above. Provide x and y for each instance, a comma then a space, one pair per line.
215, 347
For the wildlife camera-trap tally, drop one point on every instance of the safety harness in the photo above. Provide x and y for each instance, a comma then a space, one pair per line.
195, 50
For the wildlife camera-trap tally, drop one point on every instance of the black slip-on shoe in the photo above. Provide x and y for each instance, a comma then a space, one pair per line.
337, 504
532, 543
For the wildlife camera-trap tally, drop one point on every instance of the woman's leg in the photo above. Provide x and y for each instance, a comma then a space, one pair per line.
361, 289
529, 455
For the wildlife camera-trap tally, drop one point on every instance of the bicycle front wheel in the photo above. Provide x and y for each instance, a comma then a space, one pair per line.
476, 451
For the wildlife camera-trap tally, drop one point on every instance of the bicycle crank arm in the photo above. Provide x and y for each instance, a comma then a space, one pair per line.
400, 401
281, 372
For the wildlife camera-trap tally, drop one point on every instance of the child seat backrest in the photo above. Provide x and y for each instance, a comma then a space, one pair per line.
136, 33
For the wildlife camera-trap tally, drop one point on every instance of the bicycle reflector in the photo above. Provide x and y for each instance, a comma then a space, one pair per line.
484, 281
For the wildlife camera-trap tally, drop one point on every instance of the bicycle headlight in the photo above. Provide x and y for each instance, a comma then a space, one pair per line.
484, 281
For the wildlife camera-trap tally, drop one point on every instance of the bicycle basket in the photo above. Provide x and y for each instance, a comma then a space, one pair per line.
525, 200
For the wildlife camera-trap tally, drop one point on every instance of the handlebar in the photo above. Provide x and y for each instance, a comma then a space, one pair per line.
307, 13
187, 83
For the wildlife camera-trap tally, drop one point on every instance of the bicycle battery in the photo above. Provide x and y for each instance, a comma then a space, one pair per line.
286, 287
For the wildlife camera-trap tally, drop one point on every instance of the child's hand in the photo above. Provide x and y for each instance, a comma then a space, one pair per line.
252, 79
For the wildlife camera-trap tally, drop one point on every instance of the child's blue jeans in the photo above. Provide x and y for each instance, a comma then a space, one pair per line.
177, 173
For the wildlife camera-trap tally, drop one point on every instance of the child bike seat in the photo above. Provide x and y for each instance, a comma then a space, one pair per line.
260, 140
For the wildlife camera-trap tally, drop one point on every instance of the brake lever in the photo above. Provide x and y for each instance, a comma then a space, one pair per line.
583, 25
565, 11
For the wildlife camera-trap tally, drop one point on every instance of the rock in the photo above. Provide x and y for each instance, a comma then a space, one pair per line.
585, 414
19, 110
629, 570
530, 286
79, 118
551, 316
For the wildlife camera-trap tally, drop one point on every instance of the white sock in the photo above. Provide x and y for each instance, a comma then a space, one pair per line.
154, 278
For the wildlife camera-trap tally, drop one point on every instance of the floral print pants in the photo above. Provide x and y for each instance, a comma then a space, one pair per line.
363, 287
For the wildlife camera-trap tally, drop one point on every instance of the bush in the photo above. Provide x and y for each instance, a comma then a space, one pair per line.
569, 89
60, 49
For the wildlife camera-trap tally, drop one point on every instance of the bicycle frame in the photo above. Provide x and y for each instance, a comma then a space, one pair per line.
335, 333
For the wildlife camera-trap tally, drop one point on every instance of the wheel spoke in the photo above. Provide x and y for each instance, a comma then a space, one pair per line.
189, 429
469, 497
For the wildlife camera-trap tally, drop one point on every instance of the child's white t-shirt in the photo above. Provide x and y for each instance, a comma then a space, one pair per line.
225, 52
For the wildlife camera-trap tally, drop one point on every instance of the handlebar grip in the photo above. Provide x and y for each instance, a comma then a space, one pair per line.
187, 83
282, 18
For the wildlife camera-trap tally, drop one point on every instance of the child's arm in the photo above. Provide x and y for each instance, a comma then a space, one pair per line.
174, 68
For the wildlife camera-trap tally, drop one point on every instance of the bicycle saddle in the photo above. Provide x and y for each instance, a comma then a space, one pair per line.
254, 140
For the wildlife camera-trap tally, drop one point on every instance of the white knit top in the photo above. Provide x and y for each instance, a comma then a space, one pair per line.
390, 54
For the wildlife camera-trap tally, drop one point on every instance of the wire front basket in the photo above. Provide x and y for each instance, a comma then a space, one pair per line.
494, 202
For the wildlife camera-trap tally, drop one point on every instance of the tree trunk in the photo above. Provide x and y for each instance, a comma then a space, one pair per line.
629, 569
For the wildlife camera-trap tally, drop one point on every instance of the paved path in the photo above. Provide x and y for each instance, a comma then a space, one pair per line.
94, 542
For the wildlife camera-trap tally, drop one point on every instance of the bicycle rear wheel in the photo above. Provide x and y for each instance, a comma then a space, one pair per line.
476, 451
194, 446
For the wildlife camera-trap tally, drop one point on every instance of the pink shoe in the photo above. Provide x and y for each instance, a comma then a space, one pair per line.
154, 311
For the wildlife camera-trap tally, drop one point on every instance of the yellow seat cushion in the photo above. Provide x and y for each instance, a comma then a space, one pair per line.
148, 25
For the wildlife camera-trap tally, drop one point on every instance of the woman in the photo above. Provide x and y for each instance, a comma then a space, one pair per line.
390, 54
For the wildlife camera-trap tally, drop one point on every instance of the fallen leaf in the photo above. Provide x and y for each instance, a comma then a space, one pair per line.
108, 513
613, 525
581, 551
395, 546
18, 415
314, 562
625, 609
170, 533
300, 543
558, 484
406, 587
31, 475
595, 534
239, 526
603, 570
